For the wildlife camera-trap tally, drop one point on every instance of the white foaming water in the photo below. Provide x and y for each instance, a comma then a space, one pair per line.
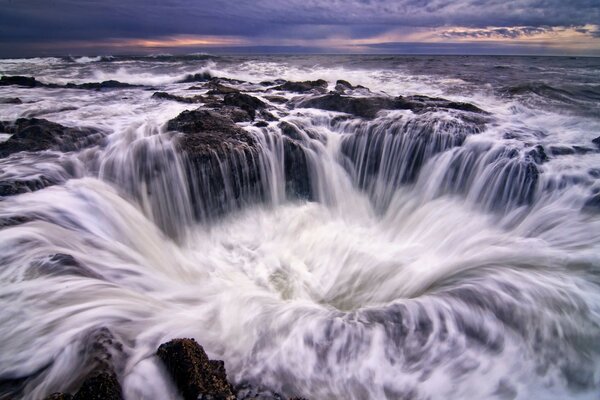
436, 260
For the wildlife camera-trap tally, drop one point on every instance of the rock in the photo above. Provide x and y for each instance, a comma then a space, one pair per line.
277, 99
111, 84
342, 85
561, 150
201, 77
217, 88
273, 83
246, 102
296, 169
593, 203
25, 81
596, 141
18, 186
196, 376
10, 100
181, 99
101, 385
424, 103
303, 87
538, 154
222, 161
365, 107
236, 114
368, 107
59, 396
31, 82
39, 134
261, 124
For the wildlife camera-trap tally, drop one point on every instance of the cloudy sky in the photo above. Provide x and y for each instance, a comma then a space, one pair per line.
43, 27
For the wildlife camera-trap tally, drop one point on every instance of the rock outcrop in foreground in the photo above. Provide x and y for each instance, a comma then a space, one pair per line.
196, 376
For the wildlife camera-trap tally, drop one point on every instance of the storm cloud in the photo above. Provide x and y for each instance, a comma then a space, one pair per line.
278, 22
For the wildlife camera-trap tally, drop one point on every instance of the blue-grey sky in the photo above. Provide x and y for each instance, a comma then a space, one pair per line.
32, 27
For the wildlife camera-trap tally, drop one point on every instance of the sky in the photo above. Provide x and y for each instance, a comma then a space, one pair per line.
92, 27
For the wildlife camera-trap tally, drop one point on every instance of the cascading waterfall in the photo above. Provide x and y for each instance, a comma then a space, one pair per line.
415, 255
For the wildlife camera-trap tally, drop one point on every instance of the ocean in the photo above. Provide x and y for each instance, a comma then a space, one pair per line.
361, 227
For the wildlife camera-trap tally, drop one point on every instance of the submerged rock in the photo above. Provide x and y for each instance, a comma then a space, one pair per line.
303, 87
196, 376
39, 134
10, 100
596, 141
111, 84
181, 99
200, 77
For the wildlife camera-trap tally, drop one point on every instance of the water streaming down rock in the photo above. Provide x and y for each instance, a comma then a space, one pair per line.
408, 253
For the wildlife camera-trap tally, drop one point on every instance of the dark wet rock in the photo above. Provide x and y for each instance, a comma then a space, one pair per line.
368, 107
248, 103
261, 124
365, 107
267, 116
39, 134
111, 84
25, 81
63, 265
596, 141
594, 172
31, 82
218, 88
222, 161
201, 77
342, 86
295, 163
538, 154
593, 203
31, 184
196, 376
10, 100
102, 385
59, 396
207, 122
561, 150
296, 169
181, 99
273, 83
276, 99
6, 222
236, 114
424, 103
582, 149
303, 87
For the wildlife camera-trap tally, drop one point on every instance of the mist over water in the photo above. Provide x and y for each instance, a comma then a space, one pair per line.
428, 255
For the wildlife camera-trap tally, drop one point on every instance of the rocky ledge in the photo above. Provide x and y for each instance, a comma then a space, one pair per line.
195, 375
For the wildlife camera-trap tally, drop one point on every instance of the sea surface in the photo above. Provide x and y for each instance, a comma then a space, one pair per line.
440, 254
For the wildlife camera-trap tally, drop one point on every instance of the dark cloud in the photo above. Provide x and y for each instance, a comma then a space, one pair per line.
505, 33
35, 21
